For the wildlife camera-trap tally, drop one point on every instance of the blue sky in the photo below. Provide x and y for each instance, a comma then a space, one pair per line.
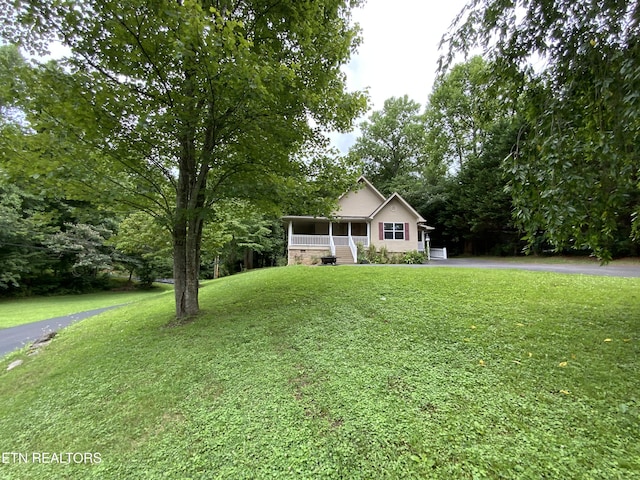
399, 54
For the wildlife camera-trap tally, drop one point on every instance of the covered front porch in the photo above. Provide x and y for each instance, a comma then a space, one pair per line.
333, 236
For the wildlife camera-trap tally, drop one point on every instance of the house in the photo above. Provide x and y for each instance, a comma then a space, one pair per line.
364, 216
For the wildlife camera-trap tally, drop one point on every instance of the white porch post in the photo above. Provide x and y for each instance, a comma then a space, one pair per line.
290, 231
331, 245
349, 229
368, 233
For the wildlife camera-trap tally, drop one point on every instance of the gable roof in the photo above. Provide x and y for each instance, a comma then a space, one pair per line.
362, 179
384, 201
397, 196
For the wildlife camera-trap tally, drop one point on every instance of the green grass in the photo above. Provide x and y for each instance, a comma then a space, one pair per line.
371, 373
18, 311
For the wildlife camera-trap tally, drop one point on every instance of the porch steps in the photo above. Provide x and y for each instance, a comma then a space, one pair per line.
343, 255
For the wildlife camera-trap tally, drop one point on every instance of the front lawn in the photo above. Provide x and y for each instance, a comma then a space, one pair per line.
342, 372
18, 311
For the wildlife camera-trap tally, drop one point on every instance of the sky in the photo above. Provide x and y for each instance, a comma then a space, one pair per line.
399, 52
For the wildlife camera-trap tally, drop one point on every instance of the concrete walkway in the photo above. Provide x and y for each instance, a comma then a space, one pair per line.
618, 270
17, 337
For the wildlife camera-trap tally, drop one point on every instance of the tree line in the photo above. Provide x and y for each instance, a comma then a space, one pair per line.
533, 147
56, 245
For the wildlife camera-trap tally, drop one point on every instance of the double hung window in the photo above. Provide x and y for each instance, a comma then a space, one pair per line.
394, 231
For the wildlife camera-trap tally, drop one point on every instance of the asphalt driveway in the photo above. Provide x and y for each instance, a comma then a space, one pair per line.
17, 337
581, 268
617, 270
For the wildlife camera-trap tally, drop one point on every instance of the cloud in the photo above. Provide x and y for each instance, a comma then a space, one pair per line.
399, 53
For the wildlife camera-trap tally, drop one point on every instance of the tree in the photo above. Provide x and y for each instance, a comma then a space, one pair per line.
391, 145
461, 110
576, 169
144, 247
10, 86
471, 124
17, 235
178, 104
477, 211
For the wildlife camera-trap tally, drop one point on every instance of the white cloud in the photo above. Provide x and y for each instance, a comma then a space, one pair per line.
399, 53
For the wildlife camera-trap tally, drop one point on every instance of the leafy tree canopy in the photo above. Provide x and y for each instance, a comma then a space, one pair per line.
392, 145
575, 174
463, 106
175, 105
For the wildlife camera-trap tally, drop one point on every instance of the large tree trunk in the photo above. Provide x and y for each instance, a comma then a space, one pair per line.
187, 240
190, 202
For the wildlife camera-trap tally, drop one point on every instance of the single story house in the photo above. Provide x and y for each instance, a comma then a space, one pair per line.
364, 216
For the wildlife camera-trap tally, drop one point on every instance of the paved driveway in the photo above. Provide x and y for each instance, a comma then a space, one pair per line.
618, 270
17, 337
595, 268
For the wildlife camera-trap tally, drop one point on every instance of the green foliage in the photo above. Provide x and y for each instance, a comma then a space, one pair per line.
145, 247
414, 257
476, 211
372, 255
48, 244
574, 176
361, 254
15, 229
11, 88
360, 373
382, 256
391, 145
83, 247
237, 233
472, 124
463, 107
180, 105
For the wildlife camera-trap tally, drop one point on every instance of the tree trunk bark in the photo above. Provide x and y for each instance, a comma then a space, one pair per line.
190, 203
187, 240
180, 269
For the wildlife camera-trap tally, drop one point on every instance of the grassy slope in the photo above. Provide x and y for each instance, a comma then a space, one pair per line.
18, 311
344, 373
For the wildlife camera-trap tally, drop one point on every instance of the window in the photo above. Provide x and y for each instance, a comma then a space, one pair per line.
394, 231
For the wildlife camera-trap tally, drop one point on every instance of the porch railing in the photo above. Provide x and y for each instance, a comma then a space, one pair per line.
325, 240
354, 250
310, 240
360, 239
341, 241
439, 253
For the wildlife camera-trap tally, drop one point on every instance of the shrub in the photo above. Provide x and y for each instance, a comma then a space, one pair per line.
396, 258
384, 255
414, 257
361, 253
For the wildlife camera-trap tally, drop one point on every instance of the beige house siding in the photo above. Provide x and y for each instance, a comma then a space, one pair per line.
361, 203
395, 212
